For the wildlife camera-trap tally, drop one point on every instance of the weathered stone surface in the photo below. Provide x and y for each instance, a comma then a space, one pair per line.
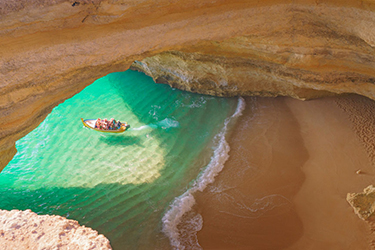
21, 230
50, 50
278, 63
363, 203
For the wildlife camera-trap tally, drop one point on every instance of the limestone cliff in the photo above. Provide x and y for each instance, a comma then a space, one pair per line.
21, 230
50, 50
243, 66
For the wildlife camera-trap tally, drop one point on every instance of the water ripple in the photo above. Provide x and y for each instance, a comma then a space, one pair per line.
120, 185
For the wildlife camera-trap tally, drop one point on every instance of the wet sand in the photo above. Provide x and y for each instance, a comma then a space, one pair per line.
284, 186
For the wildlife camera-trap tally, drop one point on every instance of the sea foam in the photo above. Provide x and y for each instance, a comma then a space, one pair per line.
164, 124
183, 204
118, 184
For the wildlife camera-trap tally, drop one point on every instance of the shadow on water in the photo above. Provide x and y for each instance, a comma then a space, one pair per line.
126, 139
123, 212
102, 208
122, 140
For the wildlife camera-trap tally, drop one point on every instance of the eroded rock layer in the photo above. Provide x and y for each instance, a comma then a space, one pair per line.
27, 230
306, 54
50, 50
363, 203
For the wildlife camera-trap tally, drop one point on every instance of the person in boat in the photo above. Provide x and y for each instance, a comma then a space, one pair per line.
97, 123
112, 124
104, 124
100, 124
118, 124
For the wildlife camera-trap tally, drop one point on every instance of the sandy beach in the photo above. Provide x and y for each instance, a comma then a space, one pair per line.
291, 166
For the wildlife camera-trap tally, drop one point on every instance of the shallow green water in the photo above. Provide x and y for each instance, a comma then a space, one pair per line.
120, 185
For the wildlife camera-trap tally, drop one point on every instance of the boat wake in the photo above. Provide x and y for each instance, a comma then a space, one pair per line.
183, 204
167, 123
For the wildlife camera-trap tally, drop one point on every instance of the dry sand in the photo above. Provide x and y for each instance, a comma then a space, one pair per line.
284, 187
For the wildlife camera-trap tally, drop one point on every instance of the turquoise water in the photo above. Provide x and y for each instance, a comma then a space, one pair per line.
121, 185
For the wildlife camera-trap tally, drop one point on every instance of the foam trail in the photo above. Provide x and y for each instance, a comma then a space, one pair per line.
150, 126
164, 124
168, 123
185, 202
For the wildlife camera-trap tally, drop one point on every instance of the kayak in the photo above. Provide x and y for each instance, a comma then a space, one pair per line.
90, 123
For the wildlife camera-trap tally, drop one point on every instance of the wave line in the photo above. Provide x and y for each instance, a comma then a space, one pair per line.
185, 202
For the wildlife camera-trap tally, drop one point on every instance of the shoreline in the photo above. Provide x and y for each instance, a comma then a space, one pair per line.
181, 206
284, 186
238, 50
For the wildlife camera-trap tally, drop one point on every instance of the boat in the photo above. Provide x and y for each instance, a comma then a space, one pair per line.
90, 123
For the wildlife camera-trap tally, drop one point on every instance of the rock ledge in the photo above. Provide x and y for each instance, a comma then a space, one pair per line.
27, 230
363, 203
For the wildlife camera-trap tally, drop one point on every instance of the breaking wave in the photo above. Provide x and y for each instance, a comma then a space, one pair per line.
184, 203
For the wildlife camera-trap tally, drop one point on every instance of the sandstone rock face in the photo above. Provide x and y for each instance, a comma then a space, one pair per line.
243, 66
51, 50
21, 230
286, 58
363, 203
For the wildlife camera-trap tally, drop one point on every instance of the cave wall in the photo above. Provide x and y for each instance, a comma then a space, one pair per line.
51, 50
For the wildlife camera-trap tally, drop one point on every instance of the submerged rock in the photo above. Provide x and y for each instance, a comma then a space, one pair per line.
27, 230
363, 203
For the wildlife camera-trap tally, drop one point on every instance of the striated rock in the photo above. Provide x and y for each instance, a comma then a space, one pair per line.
51, 50
27, 230
273, 65
363, 203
